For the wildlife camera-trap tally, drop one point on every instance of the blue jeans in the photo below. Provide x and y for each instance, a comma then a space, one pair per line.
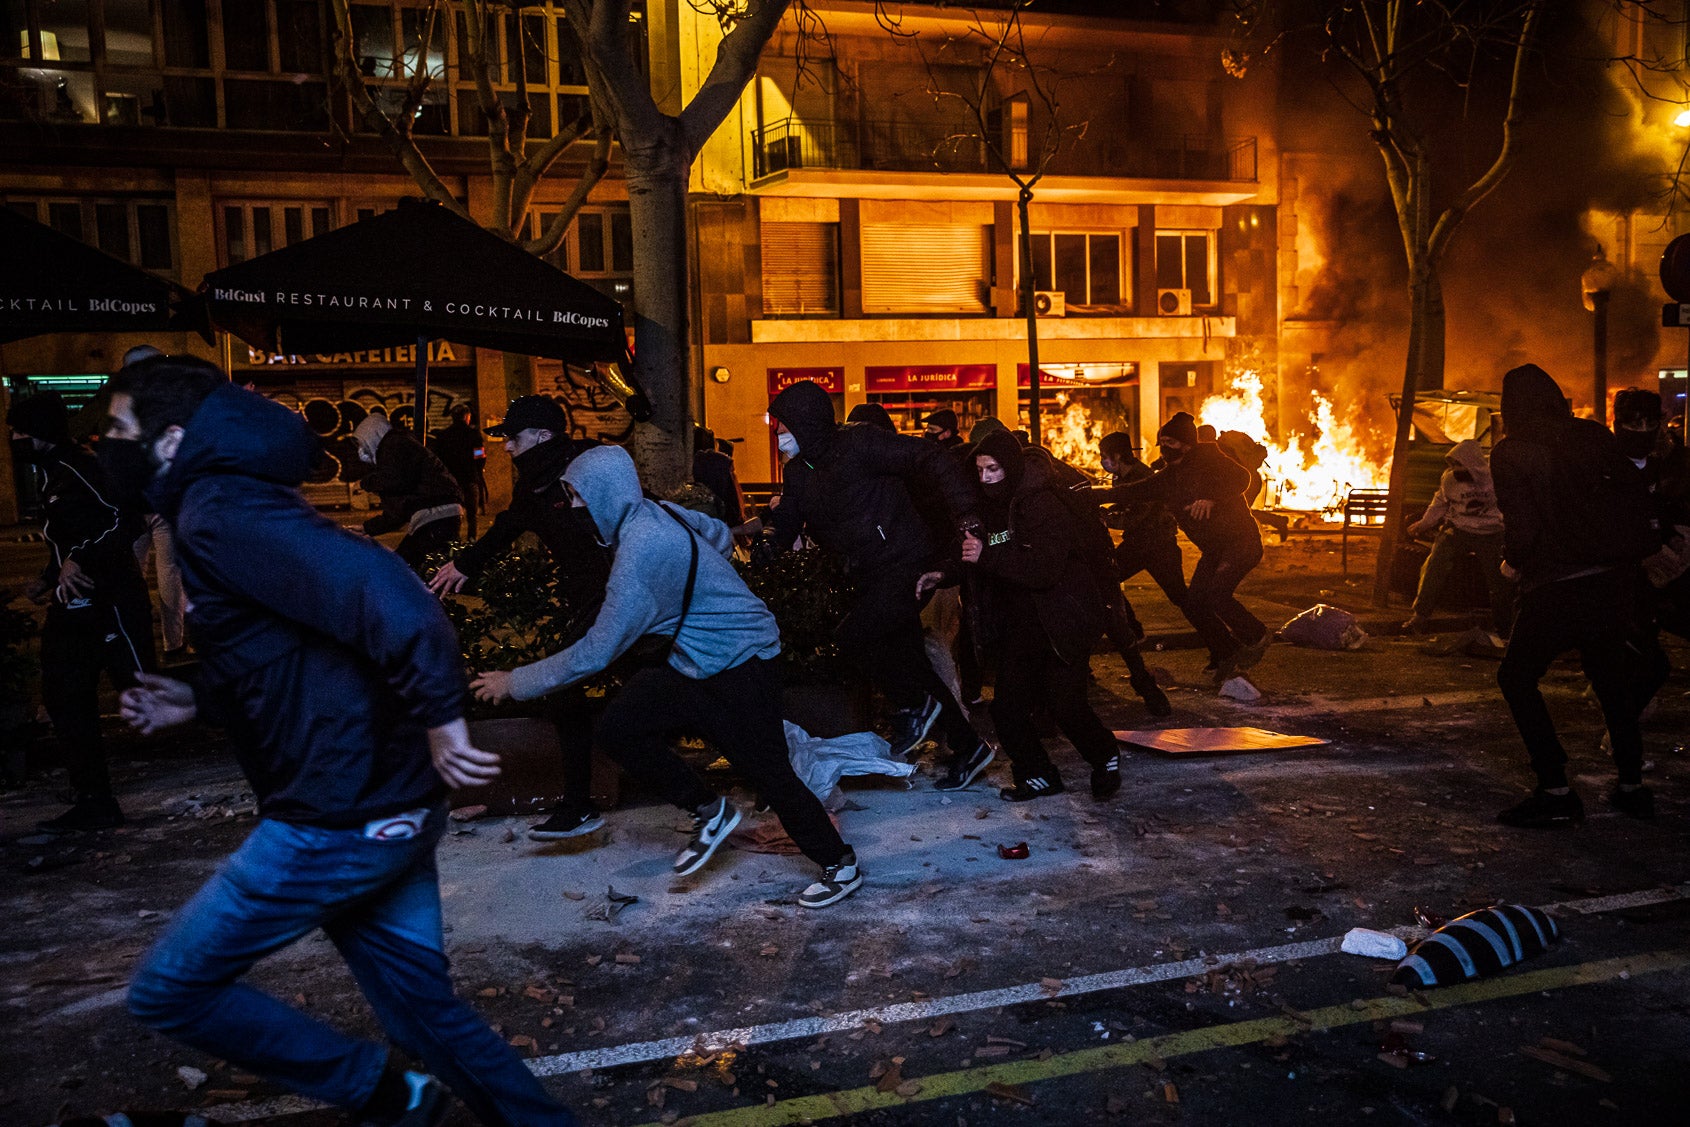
379, 902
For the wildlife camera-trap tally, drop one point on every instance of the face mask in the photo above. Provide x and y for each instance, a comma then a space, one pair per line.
1636, 443
129, 467
788, 444
25, 450
529, 460
1173, 455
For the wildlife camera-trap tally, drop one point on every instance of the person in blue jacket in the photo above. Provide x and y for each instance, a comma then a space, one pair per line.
339, 678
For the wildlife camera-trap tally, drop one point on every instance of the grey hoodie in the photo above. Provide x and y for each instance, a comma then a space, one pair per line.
726, 625
1470, 505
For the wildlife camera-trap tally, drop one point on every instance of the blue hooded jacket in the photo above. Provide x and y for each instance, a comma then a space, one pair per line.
322, 653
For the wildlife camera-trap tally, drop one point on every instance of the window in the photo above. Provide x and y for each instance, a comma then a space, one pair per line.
1083, 266
137, 229
1185, 260
800, 268
250, 228
601, 245
917, 268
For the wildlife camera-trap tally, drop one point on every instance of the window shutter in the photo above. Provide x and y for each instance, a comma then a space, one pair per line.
909, 268
800, 268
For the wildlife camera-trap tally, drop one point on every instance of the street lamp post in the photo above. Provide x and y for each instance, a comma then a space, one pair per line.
1598, 281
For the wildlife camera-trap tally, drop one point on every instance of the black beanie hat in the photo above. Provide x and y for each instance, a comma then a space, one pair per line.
43, 415
1181, 428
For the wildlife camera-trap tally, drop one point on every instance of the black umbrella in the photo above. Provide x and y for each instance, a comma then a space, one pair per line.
414, 274
52, 283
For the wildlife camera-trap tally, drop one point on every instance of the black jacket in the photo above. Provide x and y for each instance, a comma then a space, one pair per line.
1571, 502
849, 489
1034, 572
82, 525
409, 479
1204, 474
540, 505
462, 450
715, 471
322, 653
1140, 522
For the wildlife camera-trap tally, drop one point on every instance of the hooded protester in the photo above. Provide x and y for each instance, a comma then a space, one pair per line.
672, 578
872, 414
339, 680
535, 433
1038, 612
1575, 531
941, 427
463, 451
849, 489
417, 491
1149, 536
100, 615
1204, 489
1463, 518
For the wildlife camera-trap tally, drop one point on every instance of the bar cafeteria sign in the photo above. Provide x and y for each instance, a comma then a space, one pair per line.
402, 356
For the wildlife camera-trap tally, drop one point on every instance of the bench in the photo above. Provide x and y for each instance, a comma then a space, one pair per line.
1364, 511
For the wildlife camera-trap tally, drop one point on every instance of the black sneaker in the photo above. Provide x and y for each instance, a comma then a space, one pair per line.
1250, 655
407, 1099
1639, 802
1106, 780
910, 727
1543, 810
712, 823
567, 823
88, 814
1155, 700
836, 883
964, 769
1039, 786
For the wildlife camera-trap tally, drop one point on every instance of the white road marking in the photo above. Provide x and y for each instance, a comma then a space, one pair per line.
671, 1047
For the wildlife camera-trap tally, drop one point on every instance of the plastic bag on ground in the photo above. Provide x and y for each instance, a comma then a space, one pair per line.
1324, 627
821, 763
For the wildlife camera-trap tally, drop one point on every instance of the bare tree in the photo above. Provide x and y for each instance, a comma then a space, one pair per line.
1398, 51
1006, 75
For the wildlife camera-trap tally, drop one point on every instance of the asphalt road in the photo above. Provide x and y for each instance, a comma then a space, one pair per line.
1164, 957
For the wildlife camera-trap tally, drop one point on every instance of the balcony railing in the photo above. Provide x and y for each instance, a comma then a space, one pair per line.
905, 146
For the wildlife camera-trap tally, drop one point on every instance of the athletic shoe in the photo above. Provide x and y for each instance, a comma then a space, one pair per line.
1106, 780
1543, 810
836, 883
86, 815
712, 823
964, 769
571, 822
1039, 786
910, 727
426, 1101
1250, 655
1155, 700
1639, 802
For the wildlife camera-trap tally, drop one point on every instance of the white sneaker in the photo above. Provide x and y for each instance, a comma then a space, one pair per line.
712, 823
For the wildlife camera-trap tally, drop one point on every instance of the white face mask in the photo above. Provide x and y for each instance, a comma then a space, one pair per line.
788, 444
365, 455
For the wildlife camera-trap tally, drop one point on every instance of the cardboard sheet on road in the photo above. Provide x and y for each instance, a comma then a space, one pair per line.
1214, 741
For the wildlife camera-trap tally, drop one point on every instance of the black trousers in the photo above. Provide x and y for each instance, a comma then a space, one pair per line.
77, 645
1225, 624
432, 539
1596, 616
881, 635
571, 713
1160, 556
1031, 675
738, 711
1123, 629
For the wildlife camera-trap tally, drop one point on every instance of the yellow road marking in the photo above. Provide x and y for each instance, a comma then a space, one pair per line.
968, 1081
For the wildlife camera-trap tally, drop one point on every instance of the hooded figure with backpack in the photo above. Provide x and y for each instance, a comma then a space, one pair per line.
1037, 612
1463, 518
672, 579
1575, 530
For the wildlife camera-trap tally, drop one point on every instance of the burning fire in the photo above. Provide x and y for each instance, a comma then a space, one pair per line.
1074, 434
1311, 474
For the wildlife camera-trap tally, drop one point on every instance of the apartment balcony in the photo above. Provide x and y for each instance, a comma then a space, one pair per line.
904, 159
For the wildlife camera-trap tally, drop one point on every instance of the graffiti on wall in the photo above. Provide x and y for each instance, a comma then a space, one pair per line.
334, 417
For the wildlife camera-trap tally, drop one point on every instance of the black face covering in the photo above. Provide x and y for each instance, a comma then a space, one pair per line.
129, 467
25, 450
1636, 443
1173, 456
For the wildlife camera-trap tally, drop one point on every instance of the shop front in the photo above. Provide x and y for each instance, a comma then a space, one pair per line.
1079, 403
912, 392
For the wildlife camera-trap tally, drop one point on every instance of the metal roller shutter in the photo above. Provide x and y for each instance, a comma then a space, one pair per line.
910, 268
800, 268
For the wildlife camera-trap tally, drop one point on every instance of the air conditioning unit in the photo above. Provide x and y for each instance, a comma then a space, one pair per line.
1173, 303
1050, 303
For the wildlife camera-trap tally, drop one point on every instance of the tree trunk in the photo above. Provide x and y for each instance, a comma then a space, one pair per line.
1424, 368
657, 204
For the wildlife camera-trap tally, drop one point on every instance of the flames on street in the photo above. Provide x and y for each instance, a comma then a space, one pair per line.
1308, 472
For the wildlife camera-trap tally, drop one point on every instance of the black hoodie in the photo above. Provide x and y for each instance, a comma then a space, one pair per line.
849, 488
324, 654
1572, 504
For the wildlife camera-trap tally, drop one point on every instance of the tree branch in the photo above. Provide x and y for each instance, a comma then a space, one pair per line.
552, 237
736, 62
